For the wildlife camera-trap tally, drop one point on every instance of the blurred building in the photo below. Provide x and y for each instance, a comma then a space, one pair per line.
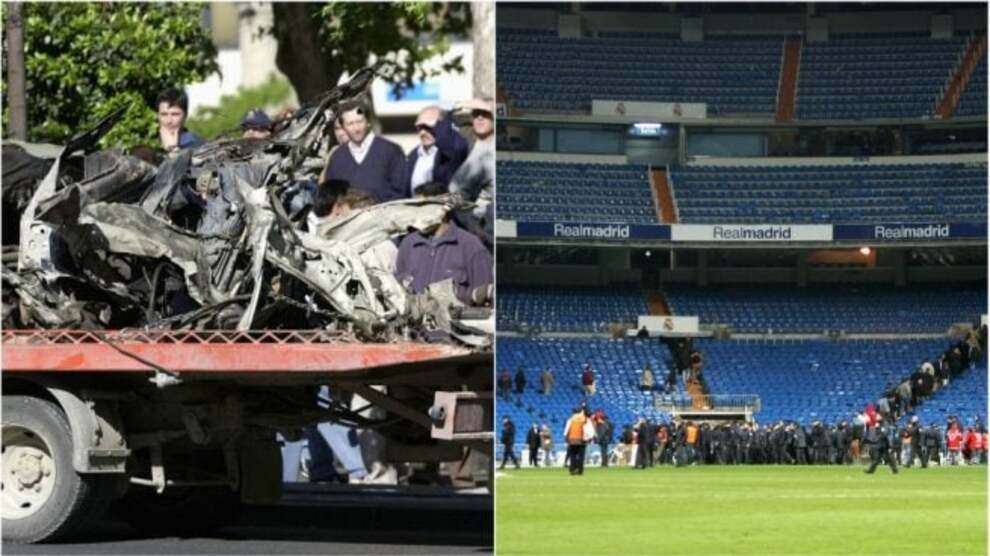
247, 58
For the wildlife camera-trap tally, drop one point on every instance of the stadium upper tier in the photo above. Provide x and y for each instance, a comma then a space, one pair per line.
569, 309
795, 380
618, 365
543, 72
552, 191
861, 308
973, 101
869, 76
846, 77
837, 194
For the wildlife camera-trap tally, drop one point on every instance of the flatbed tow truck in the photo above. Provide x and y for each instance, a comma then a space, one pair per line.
176, 429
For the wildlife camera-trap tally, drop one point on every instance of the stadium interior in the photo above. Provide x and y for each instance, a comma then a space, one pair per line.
809, 180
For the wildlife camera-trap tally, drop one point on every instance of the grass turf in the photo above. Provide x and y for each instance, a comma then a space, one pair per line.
742, 510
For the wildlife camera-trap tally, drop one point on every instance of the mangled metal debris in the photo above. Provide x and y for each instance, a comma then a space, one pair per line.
205, 240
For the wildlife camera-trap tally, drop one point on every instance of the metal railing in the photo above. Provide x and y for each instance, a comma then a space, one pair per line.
164, 336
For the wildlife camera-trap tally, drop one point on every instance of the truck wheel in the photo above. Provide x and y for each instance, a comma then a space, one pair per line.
183, 512
42, 498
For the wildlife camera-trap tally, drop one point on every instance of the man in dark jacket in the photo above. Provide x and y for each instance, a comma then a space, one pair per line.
879, 441
819, 442
782, 442
955, 359
520, 381
440, 152
800, 445
533, 443
931, 445
844, 442
642, 432
603, 432
651, 441
915, 433
508, 441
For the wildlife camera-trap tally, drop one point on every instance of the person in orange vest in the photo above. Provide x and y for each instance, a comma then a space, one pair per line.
691, 437
575, 435
954, 443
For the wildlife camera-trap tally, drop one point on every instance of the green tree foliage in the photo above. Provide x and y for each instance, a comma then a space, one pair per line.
319, 42
84, 60
217, 120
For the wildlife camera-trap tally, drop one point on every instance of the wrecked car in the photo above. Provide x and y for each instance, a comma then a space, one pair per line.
163, 322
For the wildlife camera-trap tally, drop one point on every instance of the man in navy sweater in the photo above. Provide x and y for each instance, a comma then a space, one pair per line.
440, 152
369, 163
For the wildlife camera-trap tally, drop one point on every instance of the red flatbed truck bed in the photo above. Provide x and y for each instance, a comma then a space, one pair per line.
111, 411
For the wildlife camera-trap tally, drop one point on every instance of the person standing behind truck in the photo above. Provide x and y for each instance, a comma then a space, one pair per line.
172, 106
368, 162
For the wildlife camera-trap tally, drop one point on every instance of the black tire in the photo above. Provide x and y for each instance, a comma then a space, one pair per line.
76, 501
183, 512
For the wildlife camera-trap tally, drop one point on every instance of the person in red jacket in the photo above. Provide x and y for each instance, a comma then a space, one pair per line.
985, 445
588, 381
974, 445
954, 443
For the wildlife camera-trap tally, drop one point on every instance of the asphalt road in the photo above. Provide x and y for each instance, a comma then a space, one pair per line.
317, 520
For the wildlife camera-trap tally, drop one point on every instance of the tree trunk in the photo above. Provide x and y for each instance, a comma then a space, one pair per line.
483, 33
16, 95
300, 56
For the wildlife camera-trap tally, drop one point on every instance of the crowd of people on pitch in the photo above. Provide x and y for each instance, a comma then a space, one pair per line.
678, 442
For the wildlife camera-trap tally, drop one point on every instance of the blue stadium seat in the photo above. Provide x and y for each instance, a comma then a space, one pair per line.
566, 192
795, 380
734, 75
875, 76
839, 194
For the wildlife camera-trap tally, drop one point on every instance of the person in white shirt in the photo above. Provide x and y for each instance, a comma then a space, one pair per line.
441, 150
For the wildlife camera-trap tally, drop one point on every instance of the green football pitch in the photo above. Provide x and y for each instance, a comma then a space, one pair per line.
742, 510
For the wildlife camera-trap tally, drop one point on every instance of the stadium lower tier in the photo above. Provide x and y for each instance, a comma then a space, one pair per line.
804, 381
617, 364
569, 309
852, 308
